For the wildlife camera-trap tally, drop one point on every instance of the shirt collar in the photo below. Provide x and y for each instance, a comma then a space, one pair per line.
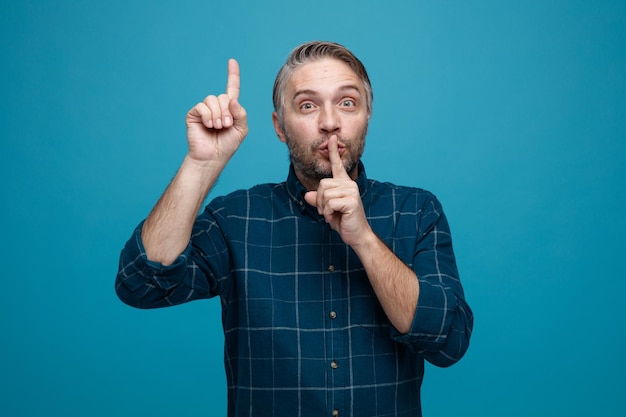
296, 190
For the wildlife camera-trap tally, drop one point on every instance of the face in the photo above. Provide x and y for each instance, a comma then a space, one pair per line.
323, 98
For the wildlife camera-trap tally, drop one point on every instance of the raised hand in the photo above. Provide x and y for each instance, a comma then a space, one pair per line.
338, 199
217, 126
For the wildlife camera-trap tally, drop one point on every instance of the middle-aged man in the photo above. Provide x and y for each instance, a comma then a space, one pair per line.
334, 287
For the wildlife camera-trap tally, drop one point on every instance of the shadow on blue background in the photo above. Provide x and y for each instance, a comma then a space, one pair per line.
512, 113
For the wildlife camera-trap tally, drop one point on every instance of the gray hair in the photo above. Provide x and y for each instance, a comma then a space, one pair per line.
312, 51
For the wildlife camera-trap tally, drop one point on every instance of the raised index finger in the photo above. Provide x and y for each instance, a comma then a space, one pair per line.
336, 165
233, 83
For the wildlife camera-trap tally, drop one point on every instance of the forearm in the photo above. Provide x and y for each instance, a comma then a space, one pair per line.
167, 230
396, 286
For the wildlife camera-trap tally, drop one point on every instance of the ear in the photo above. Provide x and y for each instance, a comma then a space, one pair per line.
277, 128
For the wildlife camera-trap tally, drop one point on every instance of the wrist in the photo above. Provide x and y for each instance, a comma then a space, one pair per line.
197, 175
202, 167
367, 244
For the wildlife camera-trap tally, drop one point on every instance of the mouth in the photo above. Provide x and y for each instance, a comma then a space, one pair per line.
323, 149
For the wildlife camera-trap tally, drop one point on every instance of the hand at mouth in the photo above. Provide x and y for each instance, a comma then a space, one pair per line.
341, 148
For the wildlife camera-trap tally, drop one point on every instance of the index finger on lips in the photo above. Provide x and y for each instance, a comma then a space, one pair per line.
336, 165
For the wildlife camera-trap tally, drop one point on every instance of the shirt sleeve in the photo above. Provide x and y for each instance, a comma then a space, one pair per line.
443, 320
143, 283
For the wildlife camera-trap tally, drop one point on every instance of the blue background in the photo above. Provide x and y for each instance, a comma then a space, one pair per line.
512, 113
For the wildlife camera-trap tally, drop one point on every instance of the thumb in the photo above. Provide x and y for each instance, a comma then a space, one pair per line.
311, 198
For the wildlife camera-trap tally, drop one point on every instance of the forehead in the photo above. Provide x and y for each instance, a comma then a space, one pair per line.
323, 74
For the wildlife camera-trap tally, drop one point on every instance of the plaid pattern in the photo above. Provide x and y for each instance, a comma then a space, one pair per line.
304, 332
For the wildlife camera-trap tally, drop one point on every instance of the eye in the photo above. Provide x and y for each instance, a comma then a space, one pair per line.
348, 103
306, 106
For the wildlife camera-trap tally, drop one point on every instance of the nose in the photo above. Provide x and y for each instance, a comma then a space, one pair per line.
329, 119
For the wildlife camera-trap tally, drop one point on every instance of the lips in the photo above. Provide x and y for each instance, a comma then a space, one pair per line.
324, 149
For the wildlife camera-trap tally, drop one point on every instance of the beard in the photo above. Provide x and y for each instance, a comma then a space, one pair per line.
308, 162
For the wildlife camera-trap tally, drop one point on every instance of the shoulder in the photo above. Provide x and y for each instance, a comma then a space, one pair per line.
386, 190
413, 210
384, 198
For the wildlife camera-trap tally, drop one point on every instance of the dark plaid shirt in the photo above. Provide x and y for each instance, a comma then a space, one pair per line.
304, 332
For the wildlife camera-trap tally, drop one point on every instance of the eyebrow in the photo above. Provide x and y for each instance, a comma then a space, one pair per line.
309, 92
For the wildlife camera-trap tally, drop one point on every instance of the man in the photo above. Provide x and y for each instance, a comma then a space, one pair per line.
335, 288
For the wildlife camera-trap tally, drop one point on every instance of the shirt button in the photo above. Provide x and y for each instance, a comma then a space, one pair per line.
332, 315
335, 413
334, 365
331, 268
